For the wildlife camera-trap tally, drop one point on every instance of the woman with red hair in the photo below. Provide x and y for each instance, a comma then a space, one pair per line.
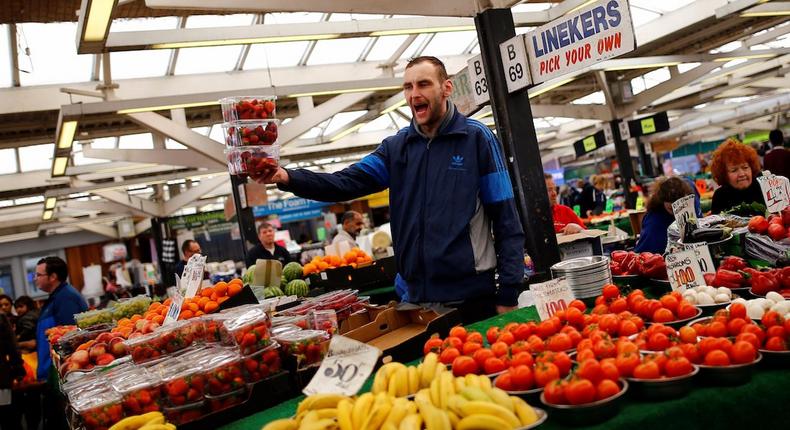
735, 167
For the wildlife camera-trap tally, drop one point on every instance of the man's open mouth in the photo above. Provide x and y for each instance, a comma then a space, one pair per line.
420, 108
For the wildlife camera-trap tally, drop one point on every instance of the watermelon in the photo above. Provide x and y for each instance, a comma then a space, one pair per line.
269, 292
291, 271
247, 278
297, 287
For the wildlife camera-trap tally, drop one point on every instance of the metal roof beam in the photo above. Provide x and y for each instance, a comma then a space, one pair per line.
182, 199
171, 157
182, 134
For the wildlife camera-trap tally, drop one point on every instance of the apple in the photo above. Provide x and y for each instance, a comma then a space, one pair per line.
758, 224
97, 350
104, 337
81, 358
104, 359
117, 348
777, 231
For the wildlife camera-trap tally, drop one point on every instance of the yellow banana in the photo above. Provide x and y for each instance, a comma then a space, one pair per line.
414, 380
477, 407
399, 383
442, 420
379, 382
411, 408
319, 401
501, 398
283, 424
454, 403
454, 418
460, 384
475, 393
411, 422
361, 409
446, 389
428, 369
158, 426
423, 395
482, 422
471, 380
322, 424
435, 392
400, 408
524, 411
136, 421
344, 414
377, 416
484, 383
157, 419
389, 426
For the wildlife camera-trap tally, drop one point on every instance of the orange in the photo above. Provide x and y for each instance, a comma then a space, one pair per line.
322, 265
222, 299
159, 319
234, 289
207, 292
309, 268
168, 301
124, 321
199, 313
236, 281
211, 307
214, 296
202, 302
163, 311
221, 289
136, 317
192, 306
186, 314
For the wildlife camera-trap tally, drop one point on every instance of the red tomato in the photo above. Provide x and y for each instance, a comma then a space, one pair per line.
469, 348
590, 369
663, 315
618, 305
678, 366
686, 310
743, 352
459, 332
519, 346
626, 363
523, 331
481, 355
609, 323
772, 318
647, 370
580, 391
690, 351
555, 392
674, 352
610, 292
609, 369
511, 327
717, 357
749, 337
584, 354
754, 329
545, 329
434, 344
452, 342
605, 389
574, 334
474, 336
492, 334
493, 365
775, 344
521, 377
504, 382
448, 355
687, 334
559, 342
464, 365
578, 304
522, 358
563, 363
536, 344
507, 337
738, 310
627, 328
545, 373
716, 329
775, 331
500, 348
624, 346
604, 349
575, 317
658, 342
735, 325
670, 302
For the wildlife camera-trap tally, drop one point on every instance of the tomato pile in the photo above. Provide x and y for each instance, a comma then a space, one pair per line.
776, 226
591, 381
670, 307
773, 333
526, 373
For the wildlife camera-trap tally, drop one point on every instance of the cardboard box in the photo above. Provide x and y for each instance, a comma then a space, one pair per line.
361, 318
378, 274
401, 330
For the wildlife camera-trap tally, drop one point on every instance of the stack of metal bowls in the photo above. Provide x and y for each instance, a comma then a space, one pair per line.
585, 275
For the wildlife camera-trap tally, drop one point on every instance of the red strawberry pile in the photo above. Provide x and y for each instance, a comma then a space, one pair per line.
253, 109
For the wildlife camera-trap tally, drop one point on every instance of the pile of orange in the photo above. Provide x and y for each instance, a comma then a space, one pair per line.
351, 258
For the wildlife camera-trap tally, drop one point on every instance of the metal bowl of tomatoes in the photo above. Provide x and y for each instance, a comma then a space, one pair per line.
664, 387
681, 322
588, 413
531, 396
733, 374
775, 358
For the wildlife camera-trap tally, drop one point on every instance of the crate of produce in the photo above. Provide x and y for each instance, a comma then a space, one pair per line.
253, 160
165, 340
262, 364
248, 329
184, 386
241, 109
93, 318
98, 409
140, 391
307, 347
223, 372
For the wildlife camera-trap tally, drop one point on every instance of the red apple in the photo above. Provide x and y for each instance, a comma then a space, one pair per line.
758, 224
117, 348
96, 350
81, 358
777, 231
105, 359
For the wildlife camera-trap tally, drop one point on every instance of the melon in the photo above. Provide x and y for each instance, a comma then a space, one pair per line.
291, 271
269, 292
297, 287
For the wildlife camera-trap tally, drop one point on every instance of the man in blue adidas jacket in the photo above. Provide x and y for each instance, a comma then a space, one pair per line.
454, 220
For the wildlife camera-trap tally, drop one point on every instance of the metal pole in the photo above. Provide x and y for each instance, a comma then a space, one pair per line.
244, 215
626, 166
516, 132
644, 159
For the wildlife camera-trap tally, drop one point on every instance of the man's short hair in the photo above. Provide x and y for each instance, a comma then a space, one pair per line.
441, 70
186, 245
776, 137
349, 216
264, 226
55, 265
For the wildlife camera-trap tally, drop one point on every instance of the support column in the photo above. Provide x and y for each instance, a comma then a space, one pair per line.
157, 235
626, 166
244, 215
516, 132
645, 160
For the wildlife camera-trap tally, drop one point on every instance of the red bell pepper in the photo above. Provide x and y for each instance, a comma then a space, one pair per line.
709, 277
619, 256
784, 277
729, 279
629, 264
733, 263
763, 283
617, 270
652, 265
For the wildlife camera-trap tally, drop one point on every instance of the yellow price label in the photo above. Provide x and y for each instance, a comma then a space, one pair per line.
640, 203
589, 143
648, 125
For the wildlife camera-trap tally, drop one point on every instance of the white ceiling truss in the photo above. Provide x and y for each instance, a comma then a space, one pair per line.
332, 110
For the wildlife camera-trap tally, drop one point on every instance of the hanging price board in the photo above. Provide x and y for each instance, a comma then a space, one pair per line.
551, 296
683, 208
776, 190
347, 366
684, 271
702, 252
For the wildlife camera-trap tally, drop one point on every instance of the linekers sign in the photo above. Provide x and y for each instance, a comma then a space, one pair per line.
579, 39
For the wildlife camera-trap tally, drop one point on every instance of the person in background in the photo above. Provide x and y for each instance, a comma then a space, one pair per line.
735, 168
349, 230
27, 399
565, 220
267, 249
593, 199
659, 216
189, 248
777, 160
27, 319
11, 370
6, 305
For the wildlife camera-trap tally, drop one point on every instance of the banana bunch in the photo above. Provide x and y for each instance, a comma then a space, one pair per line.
399, 380
148, 421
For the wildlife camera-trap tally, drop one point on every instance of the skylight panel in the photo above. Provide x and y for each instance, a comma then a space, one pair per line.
207, 60
144, 24
103, 143
209, 21
337, 51
139, 64
530, 7
383, 122
7, 161
385, 46
80, 159
36, 157
53, 55
286, 54
451, 43
292, 17
594, 98
136, 141
341, 119
641, 16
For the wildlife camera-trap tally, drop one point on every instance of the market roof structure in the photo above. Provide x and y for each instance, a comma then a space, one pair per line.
142, 101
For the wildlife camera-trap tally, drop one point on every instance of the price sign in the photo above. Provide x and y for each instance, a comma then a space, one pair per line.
648, 125
684, 271
704, 259
609, 206
589, 143
607, 134
640, 203
514, 63
625, 132
479, 82
551, 296
683, 208
776, 190
347, 366
193, 275
175, 308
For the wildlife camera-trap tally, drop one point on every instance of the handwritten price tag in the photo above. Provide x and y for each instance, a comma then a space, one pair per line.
684, 270
776, 191
683, 208
551, 296
193, 275
702, 252
347, 366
